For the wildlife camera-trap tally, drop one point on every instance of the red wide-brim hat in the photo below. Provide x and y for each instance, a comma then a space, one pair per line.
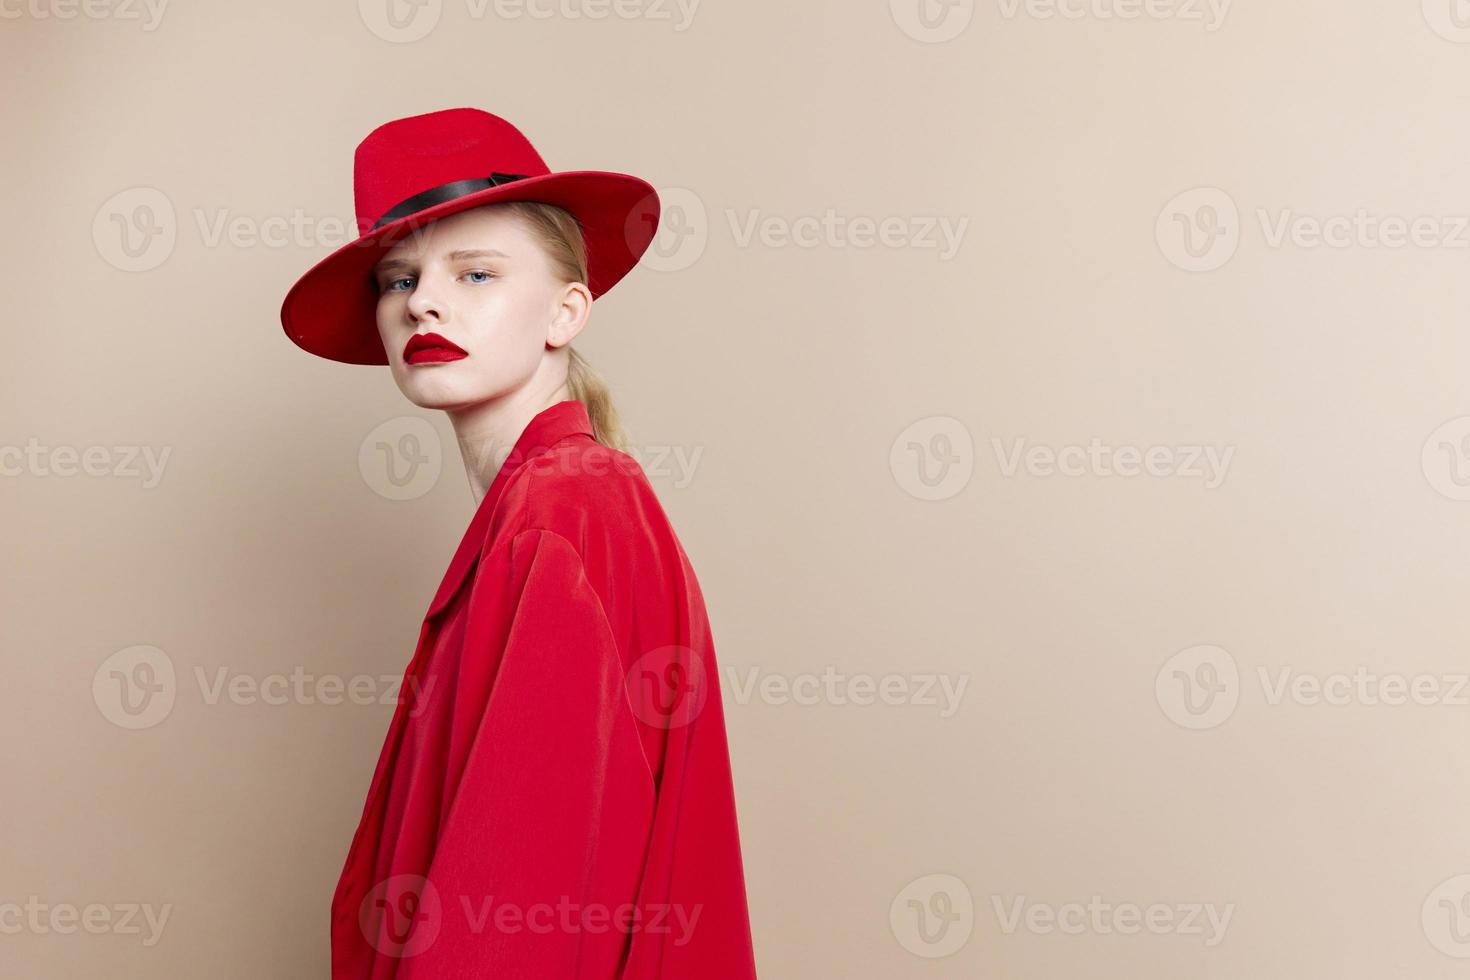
411, 171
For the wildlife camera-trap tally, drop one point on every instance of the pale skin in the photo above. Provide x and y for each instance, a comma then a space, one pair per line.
511, 312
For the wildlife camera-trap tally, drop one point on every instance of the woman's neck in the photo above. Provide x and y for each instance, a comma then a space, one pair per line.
487, 432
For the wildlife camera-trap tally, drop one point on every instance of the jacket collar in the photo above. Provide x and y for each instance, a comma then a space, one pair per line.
550, 426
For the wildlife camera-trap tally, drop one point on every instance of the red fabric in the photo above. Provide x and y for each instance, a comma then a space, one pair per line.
554, 798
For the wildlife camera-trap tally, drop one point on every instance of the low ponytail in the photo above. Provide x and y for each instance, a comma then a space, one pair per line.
588, 388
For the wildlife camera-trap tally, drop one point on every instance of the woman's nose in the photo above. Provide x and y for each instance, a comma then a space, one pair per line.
423, 302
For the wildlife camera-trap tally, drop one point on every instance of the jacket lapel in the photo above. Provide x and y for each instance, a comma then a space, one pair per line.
545, 430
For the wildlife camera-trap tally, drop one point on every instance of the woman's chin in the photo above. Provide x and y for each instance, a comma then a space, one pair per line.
436, 393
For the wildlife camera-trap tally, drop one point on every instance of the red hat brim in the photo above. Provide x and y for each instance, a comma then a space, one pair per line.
331, 311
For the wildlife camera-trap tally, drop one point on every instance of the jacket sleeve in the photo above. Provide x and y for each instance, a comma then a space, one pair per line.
693, 879
548, 798
562, 852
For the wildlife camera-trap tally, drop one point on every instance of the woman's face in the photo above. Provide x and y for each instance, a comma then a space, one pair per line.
474, 282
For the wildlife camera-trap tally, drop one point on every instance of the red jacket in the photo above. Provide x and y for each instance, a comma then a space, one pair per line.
553, 799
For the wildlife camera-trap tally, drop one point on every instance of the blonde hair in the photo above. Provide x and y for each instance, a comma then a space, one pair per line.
561, 236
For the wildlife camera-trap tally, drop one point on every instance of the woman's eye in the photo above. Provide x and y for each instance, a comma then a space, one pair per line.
393, 283
479, 272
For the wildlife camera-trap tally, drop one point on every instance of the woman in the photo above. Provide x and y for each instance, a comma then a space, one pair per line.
553, 798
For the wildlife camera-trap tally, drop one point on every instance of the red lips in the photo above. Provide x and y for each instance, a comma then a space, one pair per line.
430, 348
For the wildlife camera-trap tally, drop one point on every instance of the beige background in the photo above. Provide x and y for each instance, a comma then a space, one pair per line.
823, 391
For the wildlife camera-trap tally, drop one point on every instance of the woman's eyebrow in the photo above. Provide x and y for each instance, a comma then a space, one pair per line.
454, 256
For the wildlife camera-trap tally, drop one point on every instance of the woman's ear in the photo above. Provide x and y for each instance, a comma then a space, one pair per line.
570, 315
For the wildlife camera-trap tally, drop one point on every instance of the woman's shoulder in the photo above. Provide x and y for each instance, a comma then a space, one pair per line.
586, 491
587, 503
